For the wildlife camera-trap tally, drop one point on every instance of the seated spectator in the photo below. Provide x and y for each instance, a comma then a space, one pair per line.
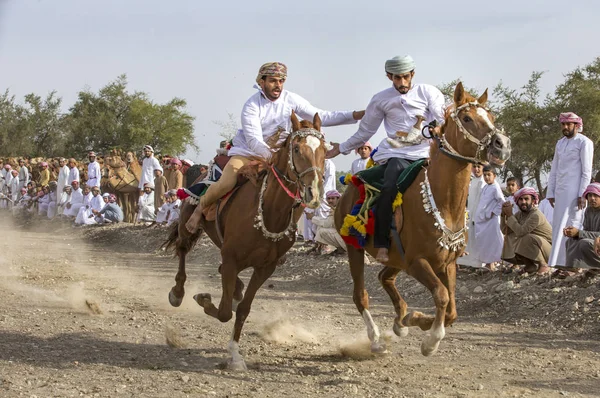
164, 211
110, 213
52, 204
85, 215
175, 207
64, 198
146, 204
75, 201
327, 233
580, 247
44, 201
528, 235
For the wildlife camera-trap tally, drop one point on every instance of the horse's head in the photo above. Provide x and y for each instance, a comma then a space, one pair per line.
302, 156
471, 132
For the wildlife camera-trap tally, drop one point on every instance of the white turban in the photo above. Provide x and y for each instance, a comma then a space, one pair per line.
399, 65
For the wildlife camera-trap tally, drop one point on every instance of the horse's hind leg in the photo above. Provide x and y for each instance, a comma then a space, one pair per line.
229, 273
360, 296
387, 277
421, 270
259, 276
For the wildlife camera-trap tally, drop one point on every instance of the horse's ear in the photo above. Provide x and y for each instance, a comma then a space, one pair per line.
459, 94
317, 122
483, 99
295, 122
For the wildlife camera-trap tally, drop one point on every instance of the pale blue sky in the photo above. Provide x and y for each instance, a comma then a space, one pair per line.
208, 52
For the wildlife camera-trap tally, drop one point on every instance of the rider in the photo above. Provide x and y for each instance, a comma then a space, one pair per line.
263, 115
399, 108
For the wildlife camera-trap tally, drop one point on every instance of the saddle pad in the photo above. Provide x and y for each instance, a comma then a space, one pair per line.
374, 176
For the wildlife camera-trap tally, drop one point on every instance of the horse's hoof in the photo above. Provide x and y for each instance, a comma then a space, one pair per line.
237, 365
203, 299
406, 321
378, 348
429, 346
174, 300
399, 330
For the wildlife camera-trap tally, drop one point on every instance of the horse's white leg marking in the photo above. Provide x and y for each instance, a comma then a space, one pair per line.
313, 142
431, 342
236, 362
373, 333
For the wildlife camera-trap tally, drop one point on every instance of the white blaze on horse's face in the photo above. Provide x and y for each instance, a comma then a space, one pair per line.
484, 115
313, 143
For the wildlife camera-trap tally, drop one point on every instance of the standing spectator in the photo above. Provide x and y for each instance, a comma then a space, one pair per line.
146, 204
471, 258
361, 163
63, 175
14, 185
44, 177
73, 172
512, 186
94, 172
174, 175
487, 220
528, 238
580, 242
52, 205
23, 173
569, 176
160, 188
149, 164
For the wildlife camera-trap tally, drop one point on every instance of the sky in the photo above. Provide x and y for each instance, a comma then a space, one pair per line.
208, 52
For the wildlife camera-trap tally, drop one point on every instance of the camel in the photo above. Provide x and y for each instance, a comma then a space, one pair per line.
121, 177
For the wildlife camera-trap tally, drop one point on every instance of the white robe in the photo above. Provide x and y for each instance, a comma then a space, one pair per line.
76, 202
174, 214
327, 233
148, 166
94, 203
475, 188
43, 203
63, 199
146, 205
359, 165
570, 174
547, 210
261, 118
163, 212
63, 177
489, 238
52, 205
14, 187
94, 174
23, 177
73, 175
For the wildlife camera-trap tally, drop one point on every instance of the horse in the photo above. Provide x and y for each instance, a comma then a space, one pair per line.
434, 230
246, 236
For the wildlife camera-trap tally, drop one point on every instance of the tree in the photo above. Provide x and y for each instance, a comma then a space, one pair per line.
229, 127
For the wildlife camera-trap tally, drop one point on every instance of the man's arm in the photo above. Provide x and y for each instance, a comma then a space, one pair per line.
532, 222
435, 106
368, 127
587, 156
253, 130
328, 118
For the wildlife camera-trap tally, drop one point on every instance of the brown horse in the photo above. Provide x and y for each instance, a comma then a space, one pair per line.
431, 246
257, 225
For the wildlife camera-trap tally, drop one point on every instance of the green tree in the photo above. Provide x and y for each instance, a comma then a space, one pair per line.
228, 128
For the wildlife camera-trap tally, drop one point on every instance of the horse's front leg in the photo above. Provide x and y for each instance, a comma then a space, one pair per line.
421, 270
356, 258
387, 277
183, 245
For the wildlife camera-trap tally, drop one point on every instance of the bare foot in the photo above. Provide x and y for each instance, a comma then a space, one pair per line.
544, 270
382, 255
194, 221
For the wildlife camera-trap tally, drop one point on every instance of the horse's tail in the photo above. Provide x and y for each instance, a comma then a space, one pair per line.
176, 243
169, 244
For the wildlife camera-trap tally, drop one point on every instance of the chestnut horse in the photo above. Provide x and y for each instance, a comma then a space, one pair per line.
431, 245
257, 226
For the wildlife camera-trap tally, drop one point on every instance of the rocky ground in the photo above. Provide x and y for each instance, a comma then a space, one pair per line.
85, 313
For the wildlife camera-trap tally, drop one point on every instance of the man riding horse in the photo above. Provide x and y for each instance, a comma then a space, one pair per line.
402, 108
264, 115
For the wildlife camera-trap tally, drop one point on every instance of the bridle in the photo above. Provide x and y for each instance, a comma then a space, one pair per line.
482, 143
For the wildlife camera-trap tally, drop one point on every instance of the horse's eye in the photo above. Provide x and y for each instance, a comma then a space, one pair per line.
296, 149
467, 119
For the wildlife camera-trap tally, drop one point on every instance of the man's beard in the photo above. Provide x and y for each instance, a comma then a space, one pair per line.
526, 208
567, 133
402, 89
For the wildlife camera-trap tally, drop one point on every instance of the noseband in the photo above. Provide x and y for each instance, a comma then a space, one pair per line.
482, 144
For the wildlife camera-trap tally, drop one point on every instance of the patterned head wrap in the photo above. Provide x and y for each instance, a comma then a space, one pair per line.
188, 162
332, 194
23, 190
527, 191
570, 117
92, 153
172, 192
399, 65
74, 182
592, 188
7, 166
275, 69
43, 164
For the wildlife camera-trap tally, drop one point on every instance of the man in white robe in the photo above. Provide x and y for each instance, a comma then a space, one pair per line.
489, 239
5, 177
327, 233
146, 204
73, 172
149, 164
14, 186
94, 202
547, 210
63, 176
23, 174
53, 203
44, 201
165, 210
174, 209
402, 108
75, 202
309, 230
475, 188
62, 200
361, 163
264, 114
570, 174
94, 172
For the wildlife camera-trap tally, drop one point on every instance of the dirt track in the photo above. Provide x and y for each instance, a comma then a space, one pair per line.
303, 338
